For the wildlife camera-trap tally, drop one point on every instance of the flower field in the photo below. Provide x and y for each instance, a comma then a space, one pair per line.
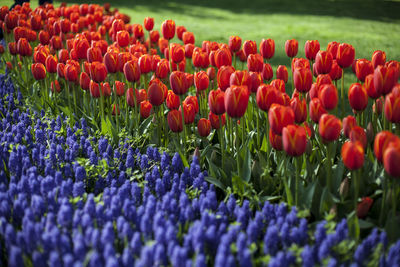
125, 145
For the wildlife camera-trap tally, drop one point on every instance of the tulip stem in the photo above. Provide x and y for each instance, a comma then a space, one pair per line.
116, 111
394, 198
382, 212
298, 162
221, 141
342, 93
237, 147
356, 188
183, 123
230, 133
329, 167
74, 95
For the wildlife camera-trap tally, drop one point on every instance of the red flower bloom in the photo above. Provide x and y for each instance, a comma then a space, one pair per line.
145, 109
234, 43
236, 101
174, 119
328, 96
267, 48
249, 48
291, 48
302, 78
323, 62
364, 206
279, 117
38, 71
358, 97
345, 55
329, 127
311, 49
282, 73
148, 23
204, 127
294, 140
168, 29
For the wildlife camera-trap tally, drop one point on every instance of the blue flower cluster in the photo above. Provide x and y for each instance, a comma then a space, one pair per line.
68, 198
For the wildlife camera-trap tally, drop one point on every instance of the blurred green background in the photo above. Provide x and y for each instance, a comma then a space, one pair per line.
367, 25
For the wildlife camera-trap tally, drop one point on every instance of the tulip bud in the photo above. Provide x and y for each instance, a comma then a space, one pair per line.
363, 68
391, 158
94, 89
174, 119
267, 72
201, 81
267, 48
392, 108
282, 73
55, 86
336, 71
179, 82
329, 127
177, 52
328, 96
255, 62
223, 77
345, 55
344, 187
145, 63
222, 58
300, 109
236, 101
204, 127
385, 78
323, 62
132, 71
51, 64
364, 206
302, 78
353, 155
84, 81
358, 97
291, 48
217, 121
294, 140
358, 134
311, 49
188, 38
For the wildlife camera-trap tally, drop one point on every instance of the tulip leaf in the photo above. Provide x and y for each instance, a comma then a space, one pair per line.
215, 182
326, 201
354, 226
338, 174
106, 127
246, 167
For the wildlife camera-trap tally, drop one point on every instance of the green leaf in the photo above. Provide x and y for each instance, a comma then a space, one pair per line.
354, 226
246, 167
308, 195
106, 126
215, 182
326, 201
238, 185
338, 174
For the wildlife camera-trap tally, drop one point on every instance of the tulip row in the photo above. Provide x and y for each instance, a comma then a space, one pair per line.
78, 200
91, 63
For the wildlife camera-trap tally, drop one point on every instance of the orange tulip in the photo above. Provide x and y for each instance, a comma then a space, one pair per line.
370, 87
162, 69
358, 97
329, 127
291, 48
266, 96
216, 101
98, 71
94, 89
279, 117
200, 59
267, 48
236, 101
294, 140
51, 64
188, 38
311, 49
94, 54
180, 30
174, 119
353, 155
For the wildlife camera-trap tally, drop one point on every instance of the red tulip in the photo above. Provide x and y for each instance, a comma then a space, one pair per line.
364, 206
323, 62
240, 77
234, 43
148, 23
179, 82
300, 109
358, 97
266, 96
168, 29
44, 37
378, 58
385, 78
162, 69
94, 89
11, 20
311, 49
275, 140
223, 77
132, 97
56, 42
192, 100
84, 81
204, 127
63, 56
236, 101
38, 71
278, 84
353, 155
200, 59
345, 55
255, 62
60, 70
240, 54
51, 64
137, 31
358, 134
302, 78
216, 123
216, 101
132, 71
81, 45
155, 37
23, 47
145, 109
179, 31
300, 63
348, 124
156, 94
172, 100
267, 72
223, 57
336, 71
363, 68
177, 52
249, 48
174, 119
381, 142
392, 108
106, 89
280, 116
328, 96
189, 48
333, 48
370, 87
267, 48
94, 54
256, 81
55, 86
71, 73
188, 38
201, 81
98, 71
377, 106
391, 158
282, 73
294, 140
145, 63
329, 127
291, 48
